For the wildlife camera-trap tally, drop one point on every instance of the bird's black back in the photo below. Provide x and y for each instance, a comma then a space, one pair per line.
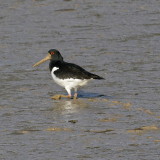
70, 70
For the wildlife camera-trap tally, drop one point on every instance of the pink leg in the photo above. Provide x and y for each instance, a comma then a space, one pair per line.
75, 96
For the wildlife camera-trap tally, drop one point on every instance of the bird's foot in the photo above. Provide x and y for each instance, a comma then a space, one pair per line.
59, 96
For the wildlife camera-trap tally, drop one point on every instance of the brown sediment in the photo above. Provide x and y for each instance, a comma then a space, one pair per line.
143, 129
58, 129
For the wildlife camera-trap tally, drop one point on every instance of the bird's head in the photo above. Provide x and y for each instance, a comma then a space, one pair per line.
53, 55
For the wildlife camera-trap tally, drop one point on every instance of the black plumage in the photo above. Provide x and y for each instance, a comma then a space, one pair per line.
70, 70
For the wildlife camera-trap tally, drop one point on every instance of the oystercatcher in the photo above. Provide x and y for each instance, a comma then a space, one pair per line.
68, 75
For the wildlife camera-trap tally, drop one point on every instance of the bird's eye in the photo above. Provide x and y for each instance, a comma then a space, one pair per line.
51, 53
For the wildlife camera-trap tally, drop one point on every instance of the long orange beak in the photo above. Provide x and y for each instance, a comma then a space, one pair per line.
48, 57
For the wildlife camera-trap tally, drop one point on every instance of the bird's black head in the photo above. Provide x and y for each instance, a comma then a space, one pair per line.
55, 55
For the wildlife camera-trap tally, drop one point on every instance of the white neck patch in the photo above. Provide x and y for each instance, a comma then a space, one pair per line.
54, 69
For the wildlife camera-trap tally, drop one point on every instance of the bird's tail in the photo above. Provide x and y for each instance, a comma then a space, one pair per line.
94, 76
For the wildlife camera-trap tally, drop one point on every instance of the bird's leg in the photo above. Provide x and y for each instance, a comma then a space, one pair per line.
75, 94
69, 92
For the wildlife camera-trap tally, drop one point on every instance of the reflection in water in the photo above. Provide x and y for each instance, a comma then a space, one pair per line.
69, 106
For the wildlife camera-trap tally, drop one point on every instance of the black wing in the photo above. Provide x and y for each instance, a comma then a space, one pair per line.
70, 70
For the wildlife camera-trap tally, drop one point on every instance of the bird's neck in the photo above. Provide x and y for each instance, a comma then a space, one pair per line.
54, 63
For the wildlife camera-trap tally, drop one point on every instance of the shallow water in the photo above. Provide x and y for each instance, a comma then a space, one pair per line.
117, 118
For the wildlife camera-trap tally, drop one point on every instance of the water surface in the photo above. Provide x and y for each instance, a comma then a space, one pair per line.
118, 40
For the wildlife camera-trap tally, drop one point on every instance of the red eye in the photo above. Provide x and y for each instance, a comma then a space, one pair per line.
52, 53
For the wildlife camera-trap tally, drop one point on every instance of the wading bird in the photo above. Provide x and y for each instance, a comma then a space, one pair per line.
68, 75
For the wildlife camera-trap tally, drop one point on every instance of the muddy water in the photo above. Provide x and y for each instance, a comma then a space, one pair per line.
117, 118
